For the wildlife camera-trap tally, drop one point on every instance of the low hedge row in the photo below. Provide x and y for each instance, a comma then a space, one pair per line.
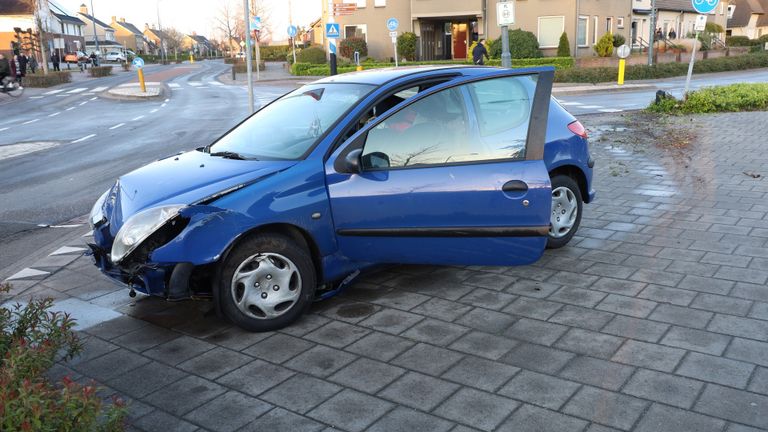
100, 71
243, 67
52, 79
308, 69
731, 98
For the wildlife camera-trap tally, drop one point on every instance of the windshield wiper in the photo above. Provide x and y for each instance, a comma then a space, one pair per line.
229, 155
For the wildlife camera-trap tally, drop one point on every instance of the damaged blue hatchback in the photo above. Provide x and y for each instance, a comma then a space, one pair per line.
426, 165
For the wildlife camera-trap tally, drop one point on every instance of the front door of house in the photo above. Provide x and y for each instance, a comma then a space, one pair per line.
460, 41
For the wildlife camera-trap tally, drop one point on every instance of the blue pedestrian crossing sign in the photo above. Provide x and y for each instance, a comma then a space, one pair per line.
332, 30
392, 24
291, 30
138, 62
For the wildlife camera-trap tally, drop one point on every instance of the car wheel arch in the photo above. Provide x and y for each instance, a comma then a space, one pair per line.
576, 174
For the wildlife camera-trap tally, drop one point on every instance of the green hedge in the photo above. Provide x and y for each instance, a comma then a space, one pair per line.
731, 98
243, 67
307, 69
52, 79
274, 53
100, 71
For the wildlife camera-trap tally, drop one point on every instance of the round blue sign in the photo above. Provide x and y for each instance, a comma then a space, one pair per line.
138, 62
291, 30
704, 6
392, 23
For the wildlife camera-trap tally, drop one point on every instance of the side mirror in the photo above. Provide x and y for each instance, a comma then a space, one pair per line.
352, 161
376, 160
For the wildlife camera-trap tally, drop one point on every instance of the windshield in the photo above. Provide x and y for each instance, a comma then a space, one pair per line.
290, 126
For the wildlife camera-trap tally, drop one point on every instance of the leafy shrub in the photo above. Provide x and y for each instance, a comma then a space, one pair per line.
406, 46
738, 41
306, 69
735, 97
32, 339
604, 46
52, 79
348, 46
618, 40
274, 53
564, 47
522, 44
312, 55
711, 27
242, 67
100, 71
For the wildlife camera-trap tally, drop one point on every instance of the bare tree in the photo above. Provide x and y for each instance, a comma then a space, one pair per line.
175, 39
226, 23
259, 9
34, 7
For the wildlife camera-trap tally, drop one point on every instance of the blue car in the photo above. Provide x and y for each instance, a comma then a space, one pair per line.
424, 165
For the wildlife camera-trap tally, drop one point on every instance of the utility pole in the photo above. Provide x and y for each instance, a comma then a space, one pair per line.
576, 41
163, 54
95, 38
653, 33
41, 37
248, 56
293, 38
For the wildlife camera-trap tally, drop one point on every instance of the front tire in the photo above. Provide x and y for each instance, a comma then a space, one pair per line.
565, 216
266, 283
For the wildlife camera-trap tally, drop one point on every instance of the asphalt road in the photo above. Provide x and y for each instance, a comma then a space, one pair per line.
74, 141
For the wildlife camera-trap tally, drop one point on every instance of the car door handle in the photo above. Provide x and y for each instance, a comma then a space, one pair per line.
515, 186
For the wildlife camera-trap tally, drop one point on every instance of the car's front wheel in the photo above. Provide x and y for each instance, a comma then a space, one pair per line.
266, 283
565, 215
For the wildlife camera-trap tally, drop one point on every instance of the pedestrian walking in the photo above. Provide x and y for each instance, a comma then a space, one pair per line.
94, 59
55, 60
5, 70
659, 34
20, 66
479, 53
32, 64
672, 34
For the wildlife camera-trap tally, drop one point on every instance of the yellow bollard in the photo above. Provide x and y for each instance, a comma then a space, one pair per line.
191, 59
359, 68
141, 81
622, 62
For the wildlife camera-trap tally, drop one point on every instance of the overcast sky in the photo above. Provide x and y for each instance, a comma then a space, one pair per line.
196, 15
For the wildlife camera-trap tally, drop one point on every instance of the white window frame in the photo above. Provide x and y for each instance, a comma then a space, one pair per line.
360, 4
586, 31
595, 24
609, 25
379, 3
363, 26
538, 30
620, 22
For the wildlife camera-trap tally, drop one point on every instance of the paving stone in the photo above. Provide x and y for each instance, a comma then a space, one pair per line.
478, 409
278, 348
578, 296
608, 408
178, 350
696, 340
532, 308
724, 258
228, 412
487, 320
300, 393
605, 257
536, 331
675, 253
480, 373
496, 282
152, 377
742, 275
538, 389
116, 327
760, 381
661, 417
664, 388
215, 363
399, 299
256, 377
706, 284
533, 288
749, 351
627, 305
618, 286
650, 356
590, 343
610, 270
145, 338
391, 321
419, 391
351, 410
483, 345
576, 316
366, 375
488, 299
657, 277
596, 372
735, 405
572, 279
722, 304
185, 395
320, 361
688, 268
594, 427
737, 326
380, 346
532, 419
161, 421
282, 420
236, 338
759, 311
537, 358
664, 294
427, 359
635, 328
337, 334
750, 291
92, 347
435, 332
111, 365
716, 369
741, 428
682, 316
445, 310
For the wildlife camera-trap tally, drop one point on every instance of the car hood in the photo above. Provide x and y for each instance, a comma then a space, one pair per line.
185, 179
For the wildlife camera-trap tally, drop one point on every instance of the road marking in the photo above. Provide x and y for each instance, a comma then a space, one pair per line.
54, 114
216, 83
36, 97
94, 98
77, 90
65, 250
138, 118
28, 273
167, 100
591, 106
31, 121
59, 226
570, 103
117, 126
202, 87
83, 103
153, 111
61, 95
610, 110
99, 89
70, 108
195, 83
177, 89
83, 138
53, 92
14, 150
162, 106
173, 85
3, 129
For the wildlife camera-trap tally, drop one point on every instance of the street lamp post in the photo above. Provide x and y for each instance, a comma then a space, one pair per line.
95, 38
163, 54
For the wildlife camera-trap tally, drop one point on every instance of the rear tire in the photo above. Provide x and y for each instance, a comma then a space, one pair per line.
267, 282
565, 214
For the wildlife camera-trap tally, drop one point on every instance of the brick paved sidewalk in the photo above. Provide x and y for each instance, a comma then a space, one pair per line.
654, 319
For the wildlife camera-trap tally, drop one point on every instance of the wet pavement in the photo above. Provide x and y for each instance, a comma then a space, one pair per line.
655, 318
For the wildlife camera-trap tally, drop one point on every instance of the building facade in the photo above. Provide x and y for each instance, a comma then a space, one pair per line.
97, 30
748, 18
127, 35
62, 31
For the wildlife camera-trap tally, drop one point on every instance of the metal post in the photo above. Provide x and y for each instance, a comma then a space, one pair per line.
95, 38
506, 57
690, 66
293, 39
163, 54
653, 33
248, 56
258, 60
576, 33
394, 43
331, 41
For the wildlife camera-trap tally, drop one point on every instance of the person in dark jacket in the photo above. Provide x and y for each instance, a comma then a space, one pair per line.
55, 60
479, 52
32, 63
5, 70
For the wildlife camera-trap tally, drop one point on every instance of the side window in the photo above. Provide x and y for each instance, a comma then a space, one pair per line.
433, 130
503, 107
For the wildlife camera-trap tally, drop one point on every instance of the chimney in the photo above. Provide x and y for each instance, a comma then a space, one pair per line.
146, 27
122, 20
114, 19
194, 33
84, 9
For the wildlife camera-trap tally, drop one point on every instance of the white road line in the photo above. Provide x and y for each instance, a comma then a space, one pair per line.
162, 106
28, 273
99, 89
610, 110
117, 126
153, 111
216, 83
591, 106
83, 138
173, 85
70, 108
77, 90
53, 92
94, 98
138, 118
202, 87
570, 103
36, 97
61, 95
54, 114
3, 129
195, 83
167, 100
30, 121
83, 103
177, 89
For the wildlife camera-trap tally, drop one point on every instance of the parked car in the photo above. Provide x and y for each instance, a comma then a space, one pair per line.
115, 56
76, 57
424, 165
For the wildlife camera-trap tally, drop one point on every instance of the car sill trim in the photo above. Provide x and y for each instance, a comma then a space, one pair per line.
523, 231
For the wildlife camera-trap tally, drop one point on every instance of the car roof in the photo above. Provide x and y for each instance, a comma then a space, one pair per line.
379, 77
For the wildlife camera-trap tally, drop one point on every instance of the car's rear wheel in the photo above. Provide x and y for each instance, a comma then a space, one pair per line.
565, 215
267, 282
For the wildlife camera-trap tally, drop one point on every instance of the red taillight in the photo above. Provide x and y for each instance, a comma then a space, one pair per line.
578, 128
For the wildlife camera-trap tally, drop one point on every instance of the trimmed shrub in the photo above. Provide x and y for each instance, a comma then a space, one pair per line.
711, 27
738, 41
731, 98
100, 71
564, 47
406, 46
604, 46
306, 69
242, 67
274, 53
52, 79
312, 55
618, 40
522, 44
348, 46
